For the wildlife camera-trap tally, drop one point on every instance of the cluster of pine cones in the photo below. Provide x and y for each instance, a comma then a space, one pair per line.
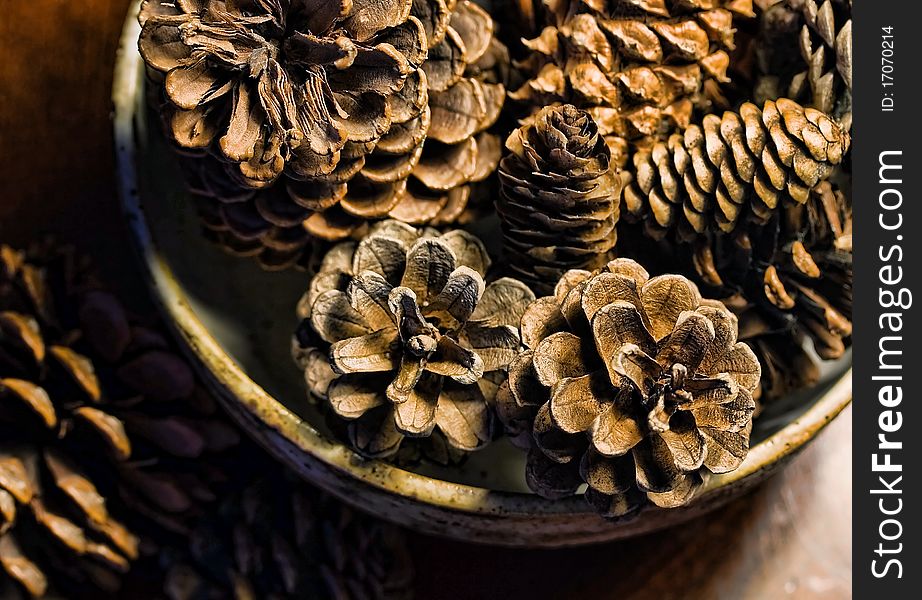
673, 203
672, 200
121, 477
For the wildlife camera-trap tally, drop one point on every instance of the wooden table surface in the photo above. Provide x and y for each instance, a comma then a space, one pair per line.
792, 538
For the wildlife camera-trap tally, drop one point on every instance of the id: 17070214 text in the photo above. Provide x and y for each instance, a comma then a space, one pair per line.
887, 100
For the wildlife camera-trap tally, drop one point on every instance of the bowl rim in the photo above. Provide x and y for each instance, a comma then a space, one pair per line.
267, 417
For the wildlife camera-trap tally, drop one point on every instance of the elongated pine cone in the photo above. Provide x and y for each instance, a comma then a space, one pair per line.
58, 446
805, 53
738, 168
791, 278
560, 197
98, 417
638, 66
632, 385
275, 537
416, 339
367, 109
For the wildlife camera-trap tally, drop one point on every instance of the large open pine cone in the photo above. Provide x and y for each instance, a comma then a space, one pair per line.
741, 167
634, 386
805, 53
788, 279
416, 338
639, 66
275, 537
369, 109
97, 411
560, 197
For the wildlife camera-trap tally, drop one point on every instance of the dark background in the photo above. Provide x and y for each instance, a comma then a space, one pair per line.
879, 131
790, 539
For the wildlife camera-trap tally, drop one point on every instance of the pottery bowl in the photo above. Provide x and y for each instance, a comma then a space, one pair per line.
234, 321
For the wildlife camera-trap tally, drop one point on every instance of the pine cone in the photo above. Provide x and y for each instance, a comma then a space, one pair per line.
280, 86
634, 386
235, 219
805, 53
278, 538
793, 278
370, 110
106, 415
638, 66
415, 337
560, 197
56, 440
733, 169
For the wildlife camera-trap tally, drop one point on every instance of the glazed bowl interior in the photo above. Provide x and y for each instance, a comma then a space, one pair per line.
251, 314
236, 321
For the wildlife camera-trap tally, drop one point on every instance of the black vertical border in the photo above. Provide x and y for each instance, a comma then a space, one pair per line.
876, 131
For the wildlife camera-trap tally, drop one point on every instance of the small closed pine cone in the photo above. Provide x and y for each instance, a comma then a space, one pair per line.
805, 53
365, 110
632, 385
742, 167
791, 278
638, 66
560, 197
416, 338
275, 537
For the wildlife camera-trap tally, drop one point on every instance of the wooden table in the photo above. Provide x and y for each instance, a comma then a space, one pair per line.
790, 539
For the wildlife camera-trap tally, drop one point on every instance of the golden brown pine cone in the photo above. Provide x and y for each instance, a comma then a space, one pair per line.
413, 87
413, 338
632, 385
790, 279
275, 537
58, 445
742, 167
98, 411
560, 197
639, 66
805, 53
281, 87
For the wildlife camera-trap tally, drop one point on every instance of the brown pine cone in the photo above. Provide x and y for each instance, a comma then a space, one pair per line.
560, 197
278, 538
58, 446
634, 386
741, 167
638, 66
280, 87
370, 110
98, 411
805, 53
415, 337
789, 278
